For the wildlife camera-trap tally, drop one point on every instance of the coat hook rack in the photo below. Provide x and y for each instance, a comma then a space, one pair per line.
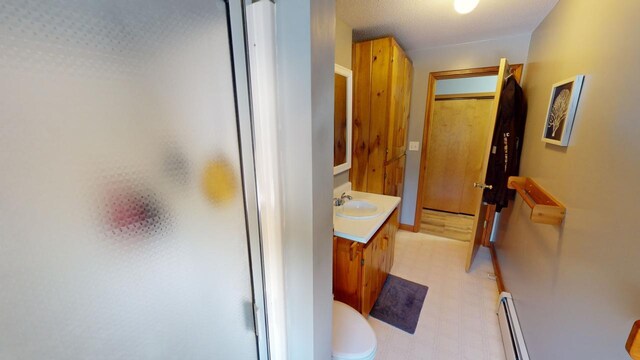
545, 209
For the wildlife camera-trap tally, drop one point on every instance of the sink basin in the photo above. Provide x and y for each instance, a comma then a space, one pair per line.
358, 210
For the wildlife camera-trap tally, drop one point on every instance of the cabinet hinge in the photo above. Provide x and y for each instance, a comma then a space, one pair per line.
485, 224
361, 262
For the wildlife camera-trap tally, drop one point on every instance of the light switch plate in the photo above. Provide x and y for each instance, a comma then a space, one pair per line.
414, 145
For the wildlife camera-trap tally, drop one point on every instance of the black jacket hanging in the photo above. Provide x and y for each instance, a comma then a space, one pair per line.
506, 144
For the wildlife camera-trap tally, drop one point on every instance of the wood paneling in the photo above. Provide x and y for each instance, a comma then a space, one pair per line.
362, 56
340, 120
459, 130
379, 125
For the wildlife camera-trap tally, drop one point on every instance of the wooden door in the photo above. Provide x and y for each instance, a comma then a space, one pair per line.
379, 114
394, 177
362, 56
369, 276
347, 262
459, 129
480, 129
480, 214
395, 140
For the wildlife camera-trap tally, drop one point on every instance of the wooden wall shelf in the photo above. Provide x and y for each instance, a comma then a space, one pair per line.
545, 209
633, 342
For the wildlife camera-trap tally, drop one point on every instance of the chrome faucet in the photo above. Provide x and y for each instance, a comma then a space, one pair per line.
343, 199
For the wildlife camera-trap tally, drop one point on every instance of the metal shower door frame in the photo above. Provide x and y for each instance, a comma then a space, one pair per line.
237, 38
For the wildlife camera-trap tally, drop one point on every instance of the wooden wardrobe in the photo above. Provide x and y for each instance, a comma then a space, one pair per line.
382, 79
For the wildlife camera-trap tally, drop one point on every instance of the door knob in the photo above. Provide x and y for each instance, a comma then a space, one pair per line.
482, 186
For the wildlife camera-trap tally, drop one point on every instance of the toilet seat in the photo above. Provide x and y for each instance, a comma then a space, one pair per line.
353, 337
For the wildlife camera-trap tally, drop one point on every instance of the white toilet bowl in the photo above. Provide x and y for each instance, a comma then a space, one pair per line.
353, 337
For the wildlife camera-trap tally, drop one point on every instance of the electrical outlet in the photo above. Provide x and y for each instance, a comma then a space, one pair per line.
414, 145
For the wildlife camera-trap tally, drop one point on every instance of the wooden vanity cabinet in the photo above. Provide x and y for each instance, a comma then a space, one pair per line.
360, 270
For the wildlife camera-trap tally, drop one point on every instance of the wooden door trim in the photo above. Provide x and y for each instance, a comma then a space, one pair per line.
516, 69
496, 268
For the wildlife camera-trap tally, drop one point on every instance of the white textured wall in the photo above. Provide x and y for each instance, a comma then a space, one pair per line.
577, 286
462, 56
305, 33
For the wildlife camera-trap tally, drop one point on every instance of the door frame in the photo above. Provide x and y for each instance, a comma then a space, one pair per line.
516, 69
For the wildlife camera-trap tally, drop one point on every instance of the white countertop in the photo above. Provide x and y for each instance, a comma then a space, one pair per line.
363, 230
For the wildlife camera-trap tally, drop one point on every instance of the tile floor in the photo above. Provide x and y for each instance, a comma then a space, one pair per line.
458, 319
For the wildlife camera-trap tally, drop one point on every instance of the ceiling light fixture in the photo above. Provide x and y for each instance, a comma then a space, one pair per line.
465, 6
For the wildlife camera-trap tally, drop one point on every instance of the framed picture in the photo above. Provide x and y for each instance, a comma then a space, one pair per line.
562, 111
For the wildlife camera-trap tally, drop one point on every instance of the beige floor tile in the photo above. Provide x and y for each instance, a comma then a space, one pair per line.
458, 319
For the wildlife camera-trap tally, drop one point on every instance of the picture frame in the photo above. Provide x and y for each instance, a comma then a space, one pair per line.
562, 110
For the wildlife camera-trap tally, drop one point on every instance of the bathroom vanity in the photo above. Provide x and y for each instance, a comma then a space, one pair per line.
363, 248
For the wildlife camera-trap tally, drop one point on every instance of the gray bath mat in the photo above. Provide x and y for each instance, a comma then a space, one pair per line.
400, 303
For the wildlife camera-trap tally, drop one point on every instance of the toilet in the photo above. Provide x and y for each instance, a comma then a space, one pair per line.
353, 337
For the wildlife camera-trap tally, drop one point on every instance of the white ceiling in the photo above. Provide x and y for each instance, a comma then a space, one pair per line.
419, 24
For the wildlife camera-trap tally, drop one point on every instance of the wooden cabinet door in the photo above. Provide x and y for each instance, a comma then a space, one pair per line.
401, 133
383, 257
362, 61
389, 179
369, 276
379, 114
396, 101
394, 177
347, 278
392, 230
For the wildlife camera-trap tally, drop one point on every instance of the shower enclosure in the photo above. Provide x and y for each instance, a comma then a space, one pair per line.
128, 216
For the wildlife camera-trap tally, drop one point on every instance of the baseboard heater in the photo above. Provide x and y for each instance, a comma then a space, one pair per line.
514, 346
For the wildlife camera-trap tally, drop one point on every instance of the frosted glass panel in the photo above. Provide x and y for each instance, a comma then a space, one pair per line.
122, 227
478, 84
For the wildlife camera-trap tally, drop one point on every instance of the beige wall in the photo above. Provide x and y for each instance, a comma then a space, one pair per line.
462, 56
344, 39
577, 286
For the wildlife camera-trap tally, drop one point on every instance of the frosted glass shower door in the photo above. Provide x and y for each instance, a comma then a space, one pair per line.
123, 232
